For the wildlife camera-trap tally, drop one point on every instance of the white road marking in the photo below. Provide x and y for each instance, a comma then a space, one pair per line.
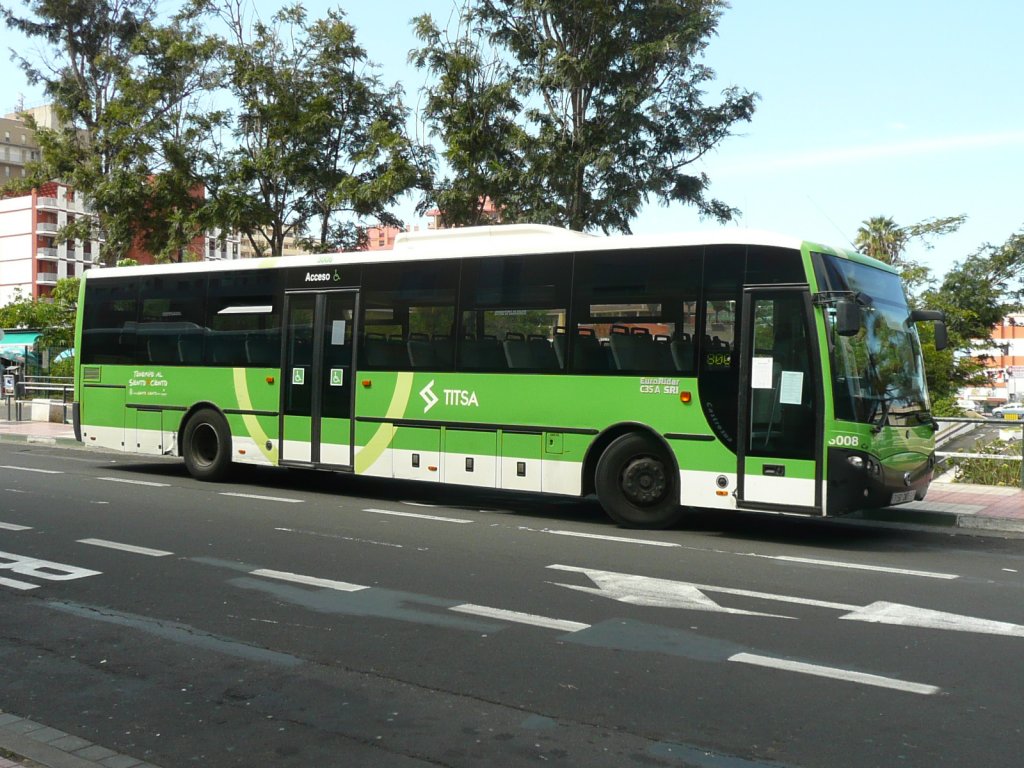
654, 593
857, 566
909, 616
135, 550
520, 618
664, 593
35, 568
14, 527
835, 673
15, 584
418, 504
616, 539
264, 498
313, 581
435, 518
134, 482
31, 469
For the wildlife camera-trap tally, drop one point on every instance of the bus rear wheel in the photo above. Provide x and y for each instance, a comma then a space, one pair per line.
206, 445
636, 485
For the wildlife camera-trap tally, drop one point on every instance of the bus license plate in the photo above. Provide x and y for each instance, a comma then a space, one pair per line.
902, 497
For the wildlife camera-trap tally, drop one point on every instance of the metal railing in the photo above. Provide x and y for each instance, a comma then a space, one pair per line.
30, 388
965, 426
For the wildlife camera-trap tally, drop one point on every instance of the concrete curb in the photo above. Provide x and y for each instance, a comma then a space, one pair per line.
57, 749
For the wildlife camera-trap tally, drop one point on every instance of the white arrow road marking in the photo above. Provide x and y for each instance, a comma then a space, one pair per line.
909, 616
663, 593
14, 527
656, 593
835, 674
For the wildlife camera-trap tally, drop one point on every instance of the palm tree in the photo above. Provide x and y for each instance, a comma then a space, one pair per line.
881, 238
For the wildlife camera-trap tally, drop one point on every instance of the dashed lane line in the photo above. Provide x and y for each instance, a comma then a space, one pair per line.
312, 581
134, 482
435, 518
615, 539
15, 527
135, 550
835, 673
263, 498
32, 469
520, 618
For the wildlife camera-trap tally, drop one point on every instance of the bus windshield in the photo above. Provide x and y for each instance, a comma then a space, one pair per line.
878, 374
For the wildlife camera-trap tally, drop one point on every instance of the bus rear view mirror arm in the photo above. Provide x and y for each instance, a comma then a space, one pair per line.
939, 318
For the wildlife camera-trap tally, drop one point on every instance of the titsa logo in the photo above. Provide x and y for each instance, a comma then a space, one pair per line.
427, 393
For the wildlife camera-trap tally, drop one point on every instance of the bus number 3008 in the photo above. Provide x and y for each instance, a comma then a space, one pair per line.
845, 441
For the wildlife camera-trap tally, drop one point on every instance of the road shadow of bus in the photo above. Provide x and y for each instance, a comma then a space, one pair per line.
831, 533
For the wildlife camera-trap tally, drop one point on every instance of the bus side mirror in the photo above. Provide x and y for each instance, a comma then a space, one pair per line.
847, 317
937, 317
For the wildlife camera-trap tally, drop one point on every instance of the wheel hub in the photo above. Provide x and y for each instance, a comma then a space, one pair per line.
644, 481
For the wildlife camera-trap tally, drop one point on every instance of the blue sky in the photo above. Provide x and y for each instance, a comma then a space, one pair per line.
904, 108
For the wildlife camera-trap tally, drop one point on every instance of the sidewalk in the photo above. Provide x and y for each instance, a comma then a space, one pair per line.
28, 743
981, 508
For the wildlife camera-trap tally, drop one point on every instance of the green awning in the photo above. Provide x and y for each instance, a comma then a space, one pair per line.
14, 342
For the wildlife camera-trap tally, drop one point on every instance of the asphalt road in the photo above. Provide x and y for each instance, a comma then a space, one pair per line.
302, 619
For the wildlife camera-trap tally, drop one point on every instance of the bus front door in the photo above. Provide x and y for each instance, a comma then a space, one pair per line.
316, 373
780, 413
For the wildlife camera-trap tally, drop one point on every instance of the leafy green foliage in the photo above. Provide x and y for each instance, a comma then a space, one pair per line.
125, 89
317, 134
55, 316
576, 114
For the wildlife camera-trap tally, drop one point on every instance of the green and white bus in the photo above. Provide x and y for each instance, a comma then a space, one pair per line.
733, 371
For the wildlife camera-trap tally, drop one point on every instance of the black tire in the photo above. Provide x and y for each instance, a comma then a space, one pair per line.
206, 445
637, 483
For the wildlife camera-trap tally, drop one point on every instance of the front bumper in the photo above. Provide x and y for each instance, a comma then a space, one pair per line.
857, 480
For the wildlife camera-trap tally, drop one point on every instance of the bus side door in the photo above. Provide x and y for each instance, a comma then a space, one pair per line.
317, 372
780, 403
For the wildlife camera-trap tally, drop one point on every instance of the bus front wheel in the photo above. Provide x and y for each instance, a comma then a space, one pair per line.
635, 483
206, 445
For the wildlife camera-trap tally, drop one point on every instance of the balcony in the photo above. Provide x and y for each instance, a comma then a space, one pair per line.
46, 202
49, 254
47, 227
46, 278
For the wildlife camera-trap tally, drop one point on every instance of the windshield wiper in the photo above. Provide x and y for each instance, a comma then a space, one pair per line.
881, 407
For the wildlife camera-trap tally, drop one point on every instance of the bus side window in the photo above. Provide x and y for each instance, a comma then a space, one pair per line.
512, 310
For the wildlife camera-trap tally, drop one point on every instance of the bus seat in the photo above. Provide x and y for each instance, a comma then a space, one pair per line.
162, 347
190, 348
682, 354
421, 354
482, 355
380, 354
263, 348
530, 354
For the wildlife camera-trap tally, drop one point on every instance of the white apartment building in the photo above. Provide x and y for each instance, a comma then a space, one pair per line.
32, 259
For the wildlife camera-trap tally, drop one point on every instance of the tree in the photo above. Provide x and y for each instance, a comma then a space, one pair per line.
577, 114
317, 134
975, 296
125, 90
881, 238
54, 315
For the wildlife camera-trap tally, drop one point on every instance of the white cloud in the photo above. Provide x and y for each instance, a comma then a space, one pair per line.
825, 158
